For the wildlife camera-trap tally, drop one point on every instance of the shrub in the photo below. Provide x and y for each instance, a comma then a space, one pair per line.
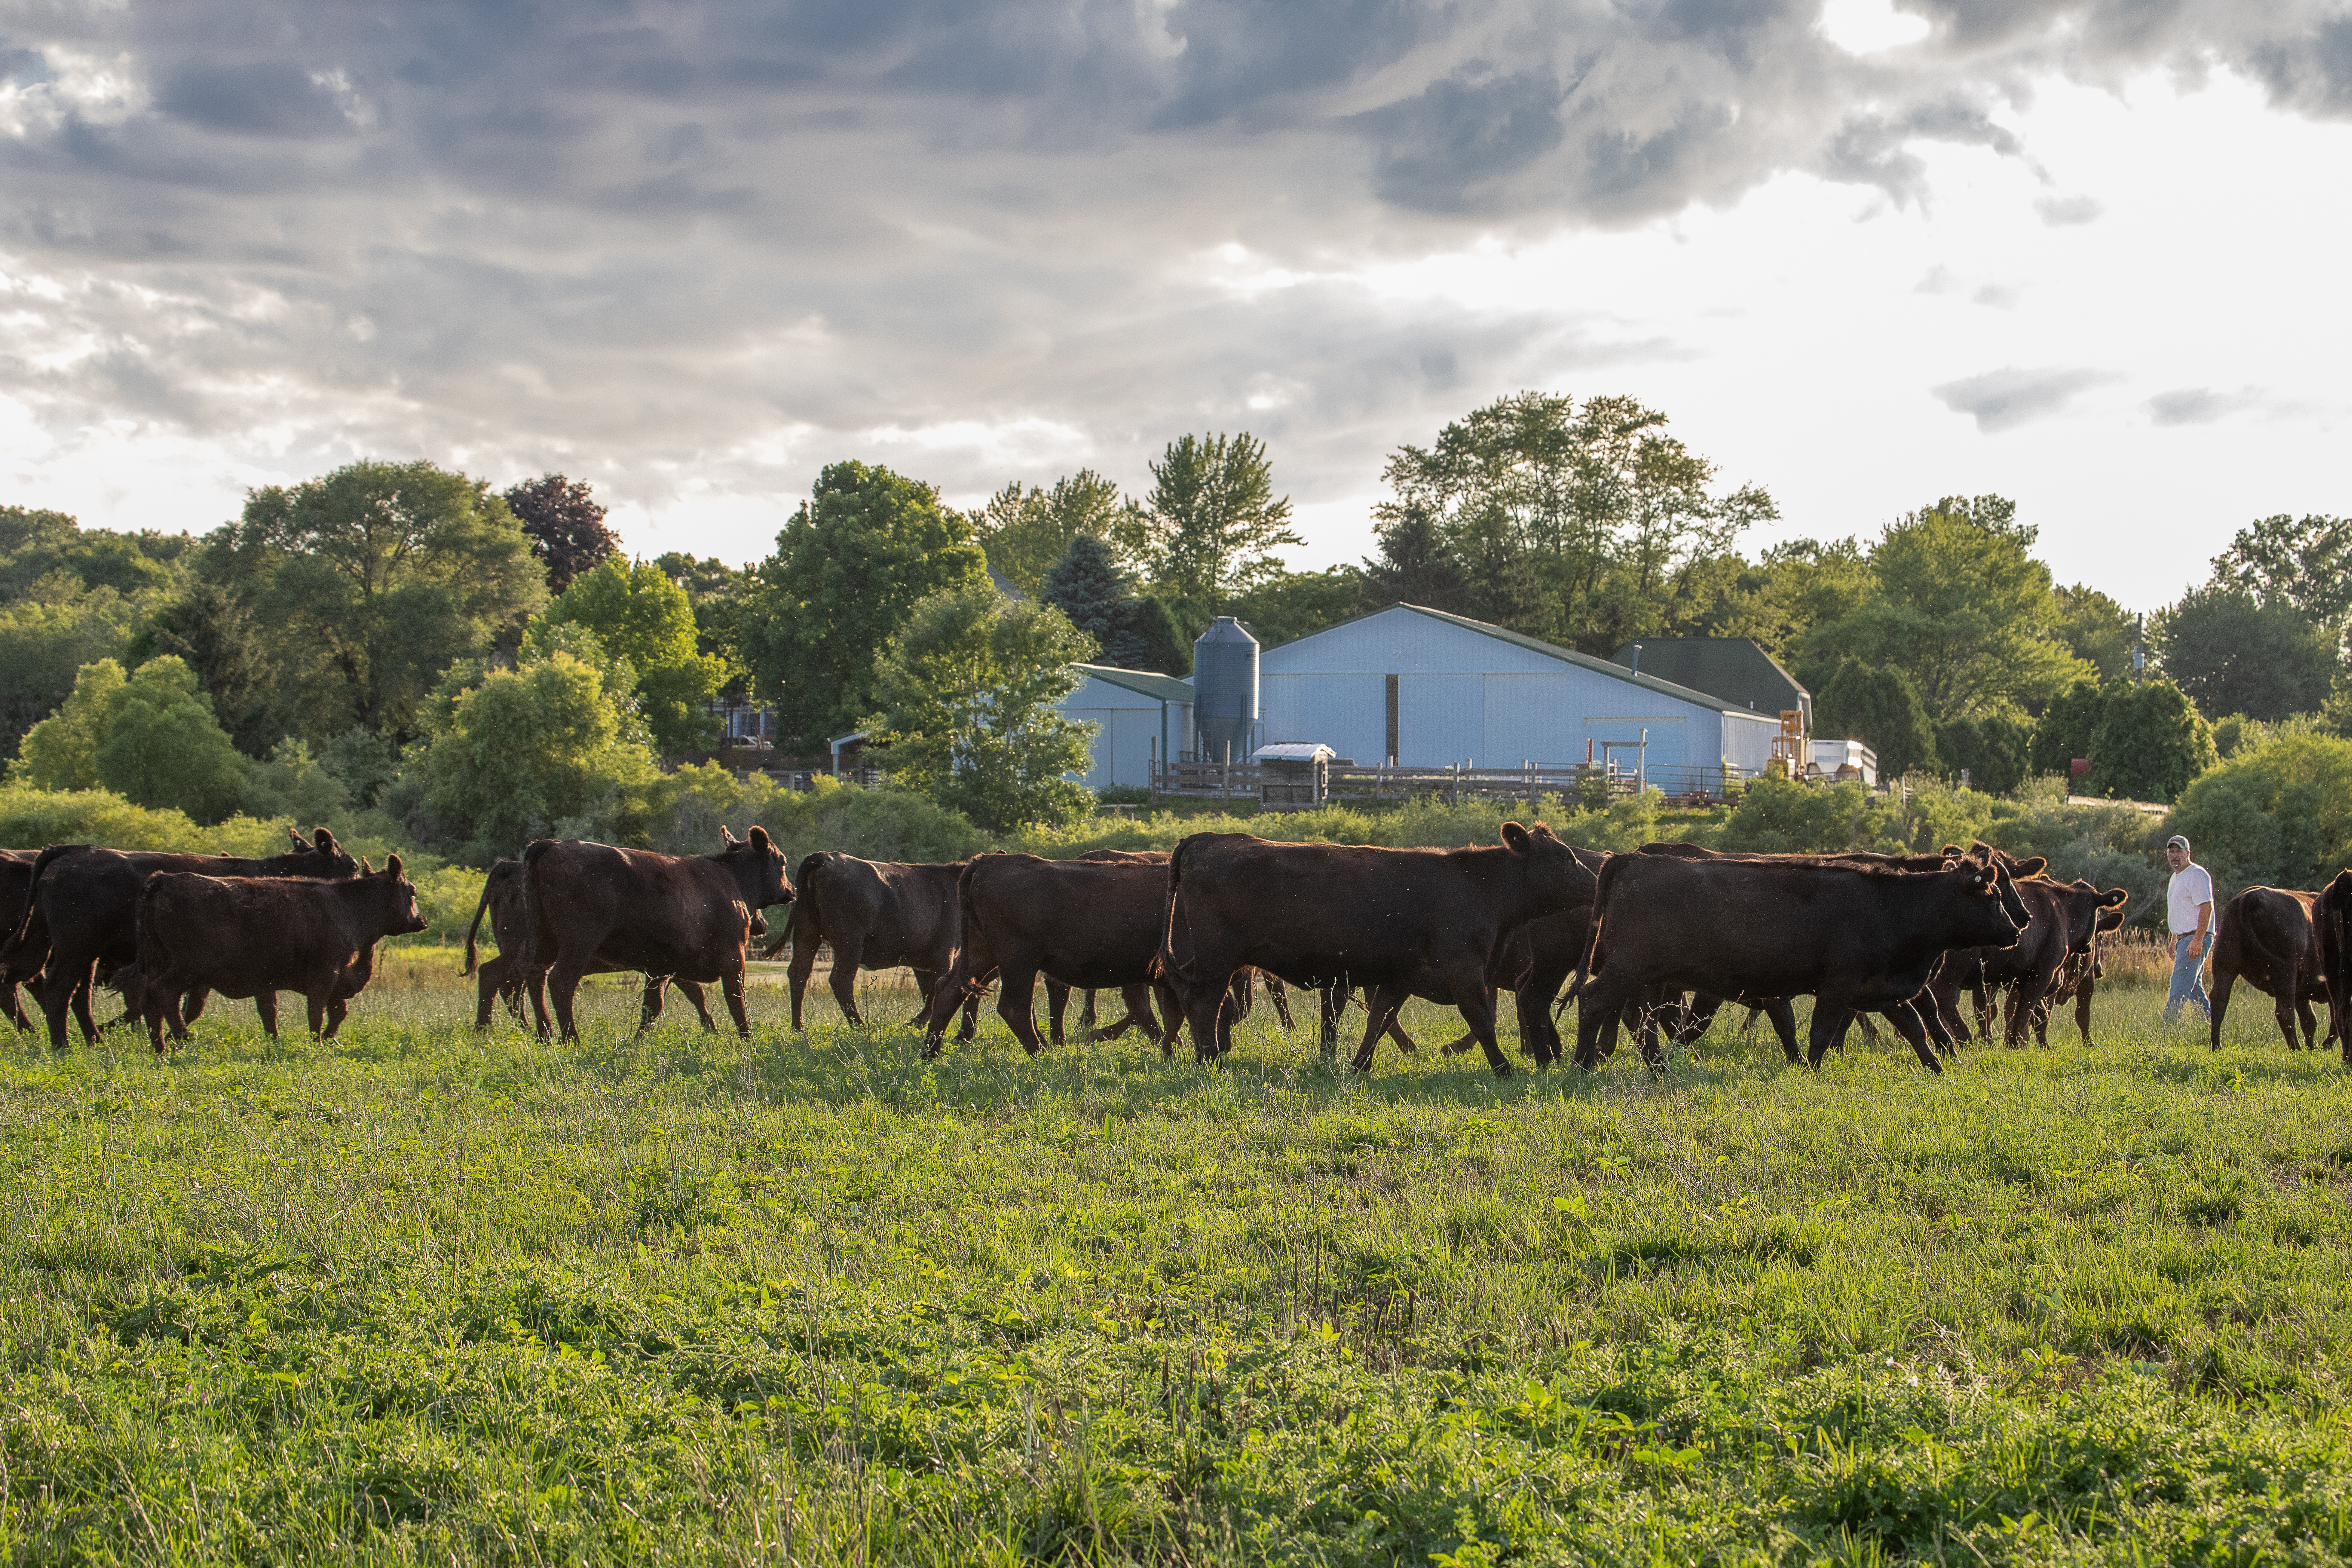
2280, 815
2150, 742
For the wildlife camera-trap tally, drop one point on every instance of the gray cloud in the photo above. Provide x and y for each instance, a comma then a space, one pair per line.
2199, 406
2060, 212
706, 242
2003, 399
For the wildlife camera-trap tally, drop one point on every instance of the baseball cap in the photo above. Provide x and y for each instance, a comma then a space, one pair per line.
2177, 842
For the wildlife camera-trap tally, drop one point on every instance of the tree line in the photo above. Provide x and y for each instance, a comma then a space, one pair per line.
480, 666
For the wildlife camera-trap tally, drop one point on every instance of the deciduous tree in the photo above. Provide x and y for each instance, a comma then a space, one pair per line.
2150, 743
565, 524
640, 614
1025, 530
1216, 519
1879, 707
2234, 654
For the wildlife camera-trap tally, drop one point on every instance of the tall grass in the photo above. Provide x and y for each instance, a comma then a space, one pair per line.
428, 1296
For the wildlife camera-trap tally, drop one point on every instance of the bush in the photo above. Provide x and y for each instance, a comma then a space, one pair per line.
1778, 816
447, 899
1992, 751
2280, 815
2150, 742
685, 809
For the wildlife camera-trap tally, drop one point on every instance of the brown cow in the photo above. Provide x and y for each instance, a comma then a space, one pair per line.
1850, 936
683, 915
874, 914
1393, 920
503, 976
256, 936
2332, 914
83, 910
2065, 923
2267, 935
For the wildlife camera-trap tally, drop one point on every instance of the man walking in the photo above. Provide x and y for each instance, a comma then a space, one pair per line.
2188, 904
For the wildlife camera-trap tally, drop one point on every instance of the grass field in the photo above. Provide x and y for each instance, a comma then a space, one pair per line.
421, 1295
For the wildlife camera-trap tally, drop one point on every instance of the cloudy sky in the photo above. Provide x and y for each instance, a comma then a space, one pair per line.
2091, 256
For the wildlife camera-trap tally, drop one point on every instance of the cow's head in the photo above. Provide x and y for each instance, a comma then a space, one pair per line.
1989, 913
757, 854
338, 861
406, 918
1556, 878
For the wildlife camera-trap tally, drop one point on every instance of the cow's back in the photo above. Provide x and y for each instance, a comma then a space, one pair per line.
631, 908
239, 935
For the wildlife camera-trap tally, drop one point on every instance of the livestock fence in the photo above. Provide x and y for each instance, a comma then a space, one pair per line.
1303, 786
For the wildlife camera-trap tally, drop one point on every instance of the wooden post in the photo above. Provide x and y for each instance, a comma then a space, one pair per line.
1151, 774
1530, 768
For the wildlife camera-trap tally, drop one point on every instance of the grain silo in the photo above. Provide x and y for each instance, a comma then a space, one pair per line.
1225, 685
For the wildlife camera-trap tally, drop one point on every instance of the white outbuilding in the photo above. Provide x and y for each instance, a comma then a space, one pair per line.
1138, 715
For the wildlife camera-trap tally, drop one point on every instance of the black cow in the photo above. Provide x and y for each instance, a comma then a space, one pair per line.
1389, 920
2270, 937
874, 914
16, 897
2331, 913
2065, 923
1850, 936
83, 908
685, 915
504, 976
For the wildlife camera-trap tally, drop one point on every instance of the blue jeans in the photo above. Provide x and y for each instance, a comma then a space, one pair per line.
2188, 974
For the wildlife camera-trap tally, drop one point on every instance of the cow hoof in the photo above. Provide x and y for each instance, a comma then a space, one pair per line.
1502, 1070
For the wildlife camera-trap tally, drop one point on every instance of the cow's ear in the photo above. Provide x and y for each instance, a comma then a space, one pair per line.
758, 838
2033, 867
296, 834
1949, 851
391, 864
324, 841
365, 867
2114, 897
724, 835
1515, 838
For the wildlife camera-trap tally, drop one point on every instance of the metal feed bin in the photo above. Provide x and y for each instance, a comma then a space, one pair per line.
1293, 776
1224, 687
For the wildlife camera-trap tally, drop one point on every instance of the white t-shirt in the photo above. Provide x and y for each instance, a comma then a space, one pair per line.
2191, 884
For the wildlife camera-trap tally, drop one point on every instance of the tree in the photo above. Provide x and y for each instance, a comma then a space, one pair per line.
2150, 743
2064, 729
2096, 630
1086, 586
521, 751
1416, 565
44, 641
1992, 751
2234, 654
849, 570
967, 702
1962, 609
639, 614
1793, 587
210, 628
1216, 519
565, 526
372, 580
61, 751
2280, 814
716, 591
1567, 521
2304, 563
1881, 709
1026, 530
1292, 605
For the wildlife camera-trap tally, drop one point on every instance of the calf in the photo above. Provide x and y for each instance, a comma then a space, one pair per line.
256, 936
874, 914
1852, 936
503, 976
2064, 923
83, 907
1389, 919
683, 915
2268, 936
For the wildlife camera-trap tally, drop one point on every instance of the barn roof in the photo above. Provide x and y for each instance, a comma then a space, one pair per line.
1143, 682
1735, 669
1537, 646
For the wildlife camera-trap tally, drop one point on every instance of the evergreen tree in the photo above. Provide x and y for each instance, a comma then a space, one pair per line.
1086, 586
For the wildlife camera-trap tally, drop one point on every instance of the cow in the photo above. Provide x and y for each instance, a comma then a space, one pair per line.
1852, 936
83, 908
2065, 923
2332, 914
2078, 981
688, 916
256, 936
1389, 920
874, 914
15, 895
503, 976
2268, 936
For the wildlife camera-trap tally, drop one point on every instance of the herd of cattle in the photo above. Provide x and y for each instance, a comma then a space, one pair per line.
1656, 940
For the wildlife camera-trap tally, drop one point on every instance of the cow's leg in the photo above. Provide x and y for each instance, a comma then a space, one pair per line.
2083, 1004
155, 1021
1086, 1016
58, 988
1784, 1026
1477, 1001
1016, 1002
1380, 1005
1538, 1037
1598, 1008
1907, 1024
1057, 1005
843, 979
265, 1007
318, 997
2310, 1023
1202, 1004
2283, 1007
649, 1004
564, 986
2024, 997
731, 985
1830, 1016
2224, 981
1172, 1016
81, 1010
14, 1007
797, 972
535, 983
1276, 995
488, 984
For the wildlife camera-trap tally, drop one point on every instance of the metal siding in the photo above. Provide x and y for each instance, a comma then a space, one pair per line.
1531, 718
1440, 719
1747, 739
1400, 642
1347, 713
1099, 772
1667, 740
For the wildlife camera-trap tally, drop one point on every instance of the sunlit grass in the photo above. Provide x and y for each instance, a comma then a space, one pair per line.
425, 1294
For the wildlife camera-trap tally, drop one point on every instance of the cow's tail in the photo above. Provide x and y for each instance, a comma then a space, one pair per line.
968, 921
1589, 960
480, 909
532, 854
1171, 965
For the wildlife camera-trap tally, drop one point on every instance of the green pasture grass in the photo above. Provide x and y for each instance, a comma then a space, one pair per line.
421, 1295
